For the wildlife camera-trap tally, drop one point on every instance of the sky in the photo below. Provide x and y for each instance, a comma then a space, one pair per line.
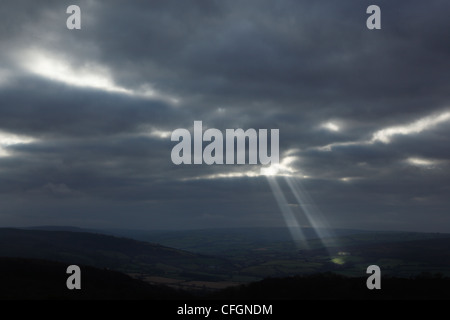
86, 115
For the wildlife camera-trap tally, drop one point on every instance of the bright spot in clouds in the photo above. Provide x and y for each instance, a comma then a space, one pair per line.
385, 135
160, 134
53, 68
420, 162
8, 139
418, 126
284, 168
331, 126
88, 75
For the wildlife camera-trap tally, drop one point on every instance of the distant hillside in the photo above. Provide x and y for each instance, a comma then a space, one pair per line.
235, 257
230, 242
57, 228
398, 254
39, 279
401, 258
224, 240
105, 251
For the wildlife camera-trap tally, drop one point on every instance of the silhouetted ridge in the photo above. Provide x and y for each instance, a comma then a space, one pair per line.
332, 286
40, 279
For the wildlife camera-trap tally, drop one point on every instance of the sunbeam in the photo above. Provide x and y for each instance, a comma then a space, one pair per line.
311, 212
289, 217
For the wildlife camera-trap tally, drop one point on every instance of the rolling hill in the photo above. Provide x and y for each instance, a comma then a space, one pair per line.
104, 251
234, 256
244, 258
27, 279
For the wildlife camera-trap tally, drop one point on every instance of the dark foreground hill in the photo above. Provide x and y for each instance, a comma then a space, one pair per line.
103, 251
330, 286
40, 279
31, 279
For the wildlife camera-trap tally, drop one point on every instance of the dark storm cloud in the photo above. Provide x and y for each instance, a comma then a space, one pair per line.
102, 157
50, 108
291, 55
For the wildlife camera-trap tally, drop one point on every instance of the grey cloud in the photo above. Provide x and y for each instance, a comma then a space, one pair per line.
292, 65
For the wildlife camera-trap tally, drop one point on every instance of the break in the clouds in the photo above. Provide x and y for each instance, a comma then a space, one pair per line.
86, 115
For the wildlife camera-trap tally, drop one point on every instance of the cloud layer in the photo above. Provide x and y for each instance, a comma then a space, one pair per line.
86, 115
